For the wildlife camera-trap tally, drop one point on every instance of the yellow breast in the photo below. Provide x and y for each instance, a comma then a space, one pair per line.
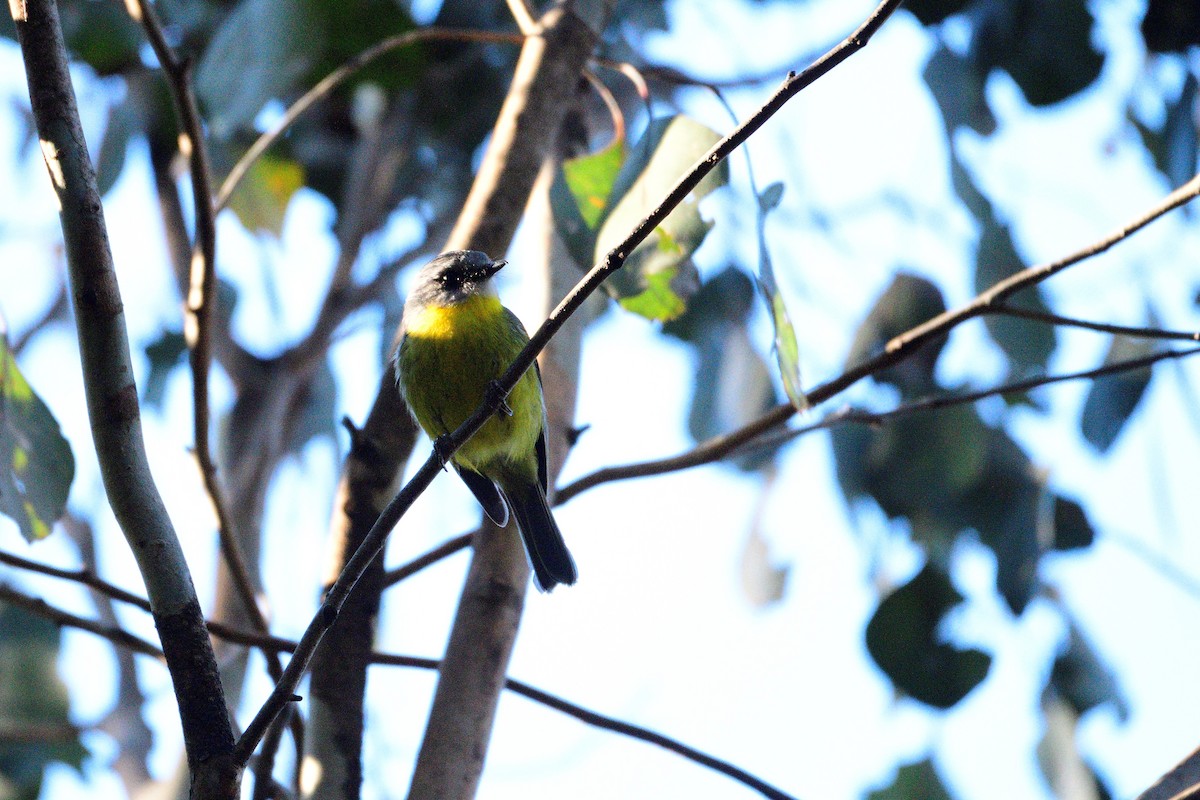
445, 322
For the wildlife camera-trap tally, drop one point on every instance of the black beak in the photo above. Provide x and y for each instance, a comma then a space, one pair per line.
493, 268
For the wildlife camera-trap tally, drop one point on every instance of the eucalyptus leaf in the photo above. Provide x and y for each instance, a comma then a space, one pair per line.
903, 639
907, 302
262, 198
787, 351
1112, 399
918, 781
32, 693
1027, 343
1083, 680
243, 66
38, 465
658, 277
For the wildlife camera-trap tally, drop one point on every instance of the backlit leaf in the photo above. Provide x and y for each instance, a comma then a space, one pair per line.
1112, 399
33, 694
904, 641
36, 463
1027, 343
787, 352
918, 781
590, 179
260, 52
262, 198
657, 275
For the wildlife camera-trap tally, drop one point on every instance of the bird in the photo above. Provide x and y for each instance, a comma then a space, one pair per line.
456, 339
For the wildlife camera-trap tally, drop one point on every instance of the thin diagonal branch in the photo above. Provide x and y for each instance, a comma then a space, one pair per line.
445, 549
374, 541
996, 294
335, 79
1140, 332
988, 302
763, 433
607, 723
199, 318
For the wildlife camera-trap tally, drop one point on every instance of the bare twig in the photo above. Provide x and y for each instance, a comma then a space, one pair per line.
56, 310
606, 723
199, 314
996, 294
445, 549
374, 541
1140, 332
37, 733
610, 103
117, 636
859, 416
761, 434
1181, 783
335, 79
83, 576
201, 298
988, 302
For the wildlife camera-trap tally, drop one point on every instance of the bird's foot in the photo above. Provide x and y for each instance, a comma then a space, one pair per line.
495, 395
441, 449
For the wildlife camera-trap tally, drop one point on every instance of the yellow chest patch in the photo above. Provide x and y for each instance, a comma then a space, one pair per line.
446, 322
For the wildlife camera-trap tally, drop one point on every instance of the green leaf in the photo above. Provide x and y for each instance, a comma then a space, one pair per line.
260, 52
591, 178
958, 89
32, 693
1174, 144
918, 781
164, 353
1072, 529
125, 120
1003, 507
907, 302
261, 200
102, 35
1083, 680
350, 28
1045, 45
579, 197
1027, 343
787, 352
658, 276
931, 12
903, 639
1171, 26
37, 461
1112, 399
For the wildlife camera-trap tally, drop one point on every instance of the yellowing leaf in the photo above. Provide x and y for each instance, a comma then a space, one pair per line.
262, 199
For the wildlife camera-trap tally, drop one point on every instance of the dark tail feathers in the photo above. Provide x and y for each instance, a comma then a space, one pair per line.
552, 562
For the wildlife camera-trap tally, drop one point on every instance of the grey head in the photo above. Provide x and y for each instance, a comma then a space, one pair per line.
453, 277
